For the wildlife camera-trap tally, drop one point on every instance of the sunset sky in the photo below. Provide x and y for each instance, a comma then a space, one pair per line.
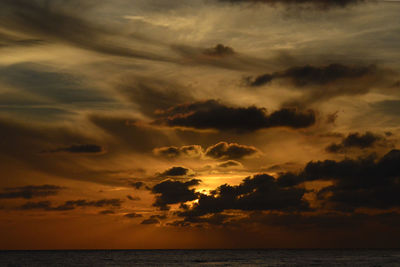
131, 124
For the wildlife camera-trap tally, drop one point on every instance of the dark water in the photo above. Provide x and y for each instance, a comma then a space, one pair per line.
202, 258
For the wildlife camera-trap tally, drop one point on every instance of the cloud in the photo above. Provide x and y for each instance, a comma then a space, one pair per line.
312, 75
151, 221
224, 150
327, 81
357, 183
175, 171
72, 204
260, 192
106, 212
137, 185
219, 50
229, 164
30, 191
133, 215
154, 219
356, 140
192, 151
85, 148
132, 198
51, 21
173, 192
211, 114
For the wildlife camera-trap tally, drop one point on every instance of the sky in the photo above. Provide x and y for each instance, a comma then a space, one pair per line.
145, 124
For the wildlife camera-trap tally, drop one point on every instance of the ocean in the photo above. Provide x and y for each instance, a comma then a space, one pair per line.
269, 257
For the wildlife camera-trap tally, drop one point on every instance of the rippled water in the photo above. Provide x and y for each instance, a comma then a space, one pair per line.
202, 258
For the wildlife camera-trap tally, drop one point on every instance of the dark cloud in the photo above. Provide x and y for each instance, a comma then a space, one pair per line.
30, 191
320, 4
312, 75
86, 148
357, 183
191, 151
151, 221
41, 205
154, 219
224, 150
106, 212
132, 198
229, 164
331, 118
137, 185
260, 192
175, 171
319, 83
133, 215
212, 114
72, 204
356, 140
173, 192
219, 50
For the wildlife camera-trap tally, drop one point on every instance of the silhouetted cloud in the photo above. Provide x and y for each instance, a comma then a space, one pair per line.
219, 50
85, 148
192, 151
229, 164
132, 198
224, 150
154, 219
260, 192
151, 221
357, 183
30, 191
212, 114
356, 140
106, 212
137, 185
175, 171
319, 83
173, 192
312, 75
133, 215
72, 204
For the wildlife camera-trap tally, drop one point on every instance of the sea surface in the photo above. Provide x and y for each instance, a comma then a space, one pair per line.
274, 257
